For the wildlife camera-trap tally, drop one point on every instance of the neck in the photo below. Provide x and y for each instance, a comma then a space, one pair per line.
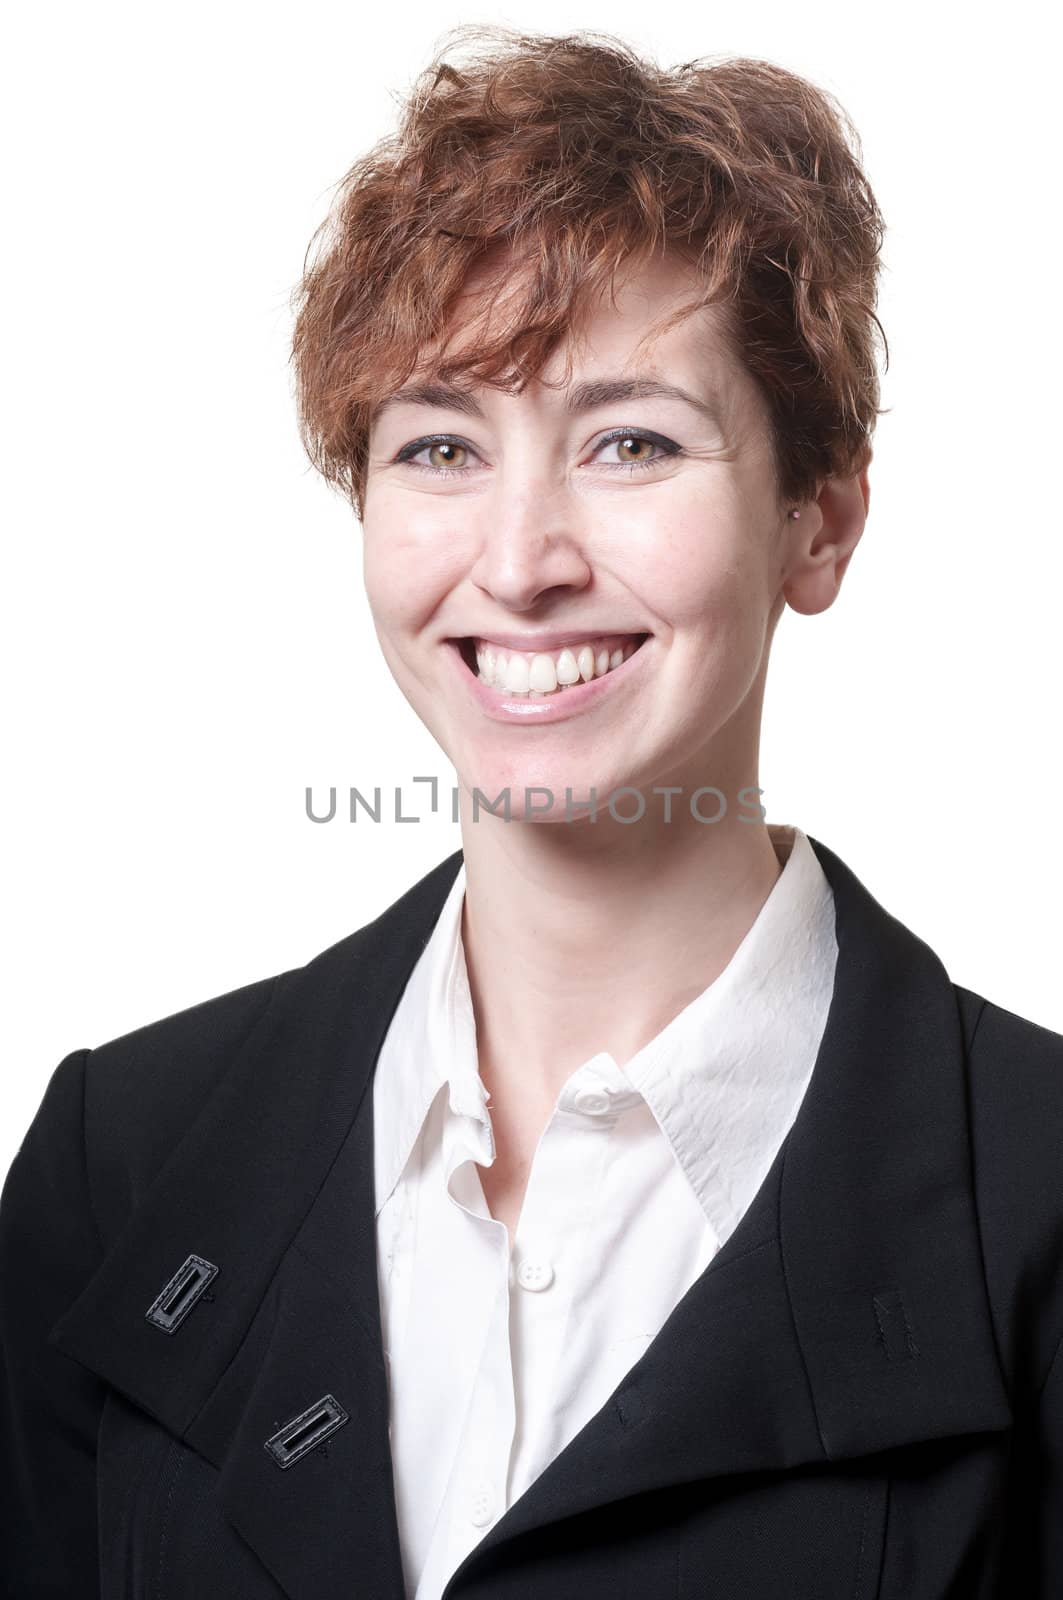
592, 936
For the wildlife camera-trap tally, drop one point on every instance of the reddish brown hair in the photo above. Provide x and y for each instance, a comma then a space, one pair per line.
578, 156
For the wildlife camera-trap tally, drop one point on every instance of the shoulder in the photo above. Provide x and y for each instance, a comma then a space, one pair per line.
1015, 1087
114, 1113
1015, 1076
110, 1115
143, 1089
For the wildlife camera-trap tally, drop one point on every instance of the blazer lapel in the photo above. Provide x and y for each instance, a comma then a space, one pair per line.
328, 1513
846, 1314
273, 1186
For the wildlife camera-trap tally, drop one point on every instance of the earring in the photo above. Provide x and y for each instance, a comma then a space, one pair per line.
795, 514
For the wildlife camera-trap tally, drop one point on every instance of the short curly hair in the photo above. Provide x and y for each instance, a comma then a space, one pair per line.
574, 155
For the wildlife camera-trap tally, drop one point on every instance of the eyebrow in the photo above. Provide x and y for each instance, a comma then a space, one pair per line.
582, 397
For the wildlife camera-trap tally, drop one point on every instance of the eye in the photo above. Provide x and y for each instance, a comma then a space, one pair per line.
447, 453
636, 449
635, 443
447, 456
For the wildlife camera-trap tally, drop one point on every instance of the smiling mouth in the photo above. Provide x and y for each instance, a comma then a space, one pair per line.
543, 673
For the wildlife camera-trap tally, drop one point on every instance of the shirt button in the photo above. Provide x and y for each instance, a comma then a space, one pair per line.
593, 1101
481, 1505
535, 1275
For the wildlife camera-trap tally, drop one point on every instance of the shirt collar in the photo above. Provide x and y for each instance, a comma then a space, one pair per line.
723, 1079
426, 1046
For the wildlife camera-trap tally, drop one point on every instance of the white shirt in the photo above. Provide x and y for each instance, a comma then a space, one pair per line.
640, 1176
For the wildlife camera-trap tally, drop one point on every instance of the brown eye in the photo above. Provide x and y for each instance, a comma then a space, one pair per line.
639, 447
442, 453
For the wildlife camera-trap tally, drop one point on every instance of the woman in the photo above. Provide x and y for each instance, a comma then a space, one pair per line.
635, 1207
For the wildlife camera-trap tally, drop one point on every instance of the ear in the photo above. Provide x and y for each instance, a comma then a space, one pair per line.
822, 541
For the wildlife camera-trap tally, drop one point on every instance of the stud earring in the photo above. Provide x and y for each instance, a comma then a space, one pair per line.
795, 514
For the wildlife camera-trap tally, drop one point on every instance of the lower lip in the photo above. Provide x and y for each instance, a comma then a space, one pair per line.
527, 709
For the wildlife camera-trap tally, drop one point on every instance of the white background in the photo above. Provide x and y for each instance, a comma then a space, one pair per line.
185, 637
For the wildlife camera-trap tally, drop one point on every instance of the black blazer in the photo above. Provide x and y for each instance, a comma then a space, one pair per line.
861, 1396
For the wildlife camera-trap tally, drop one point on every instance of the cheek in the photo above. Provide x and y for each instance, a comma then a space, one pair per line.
409, 566
709, 587
699, 547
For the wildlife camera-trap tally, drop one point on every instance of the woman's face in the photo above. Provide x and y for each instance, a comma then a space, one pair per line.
569, 525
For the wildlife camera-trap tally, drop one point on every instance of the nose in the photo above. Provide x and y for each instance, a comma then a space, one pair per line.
531, 542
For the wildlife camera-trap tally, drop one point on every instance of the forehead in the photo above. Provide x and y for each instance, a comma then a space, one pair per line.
618, 345
622, 320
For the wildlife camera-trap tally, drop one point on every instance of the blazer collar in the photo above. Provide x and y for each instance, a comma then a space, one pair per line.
847, 1313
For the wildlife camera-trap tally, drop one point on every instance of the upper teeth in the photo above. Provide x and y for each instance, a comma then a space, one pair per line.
522, 672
